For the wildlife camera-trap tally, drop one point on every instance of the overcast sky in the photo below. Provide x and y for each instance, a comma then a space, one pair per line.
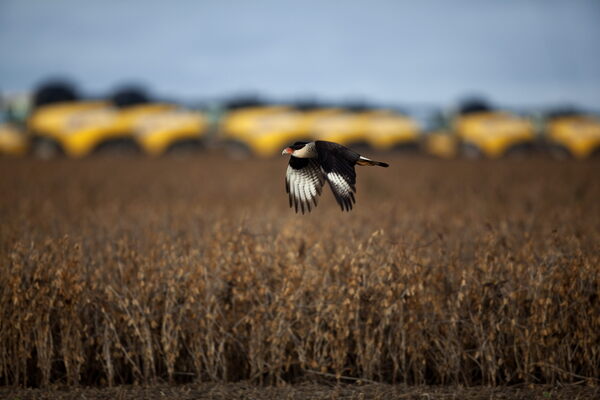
516, 52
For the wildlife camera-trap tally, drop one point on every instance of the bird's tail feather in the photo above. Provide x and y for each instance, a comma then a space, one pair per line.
365, 161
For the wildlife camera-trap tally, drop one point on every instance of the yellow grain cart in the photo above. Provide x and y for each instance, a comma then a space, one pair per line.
156, 127
264, 130
441, 143
344, 127
13, 141
311, 118
156, 132
239, 122
493, 133
579, 134
77, 127
386, 130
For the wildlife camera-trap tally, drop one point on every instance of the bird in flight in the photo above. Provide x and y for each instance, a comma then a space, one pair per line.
311, 163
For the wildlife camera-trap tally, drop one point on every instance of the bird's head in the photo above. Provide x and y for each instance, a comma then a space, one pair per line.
291, 150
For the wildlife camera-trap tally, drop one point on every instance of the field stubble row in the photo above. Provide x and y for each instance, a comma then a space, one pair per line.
118, 270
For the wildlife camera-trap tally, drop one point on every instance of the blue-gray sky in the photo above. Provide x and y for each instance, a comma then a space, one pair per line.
516, 52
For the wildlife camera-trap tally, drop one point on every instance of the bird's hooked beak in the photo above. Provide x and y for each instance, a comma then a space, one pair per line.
286, 151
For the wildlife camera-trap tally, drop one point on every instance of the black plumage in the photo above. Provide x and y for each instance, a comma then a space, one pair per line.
311, 163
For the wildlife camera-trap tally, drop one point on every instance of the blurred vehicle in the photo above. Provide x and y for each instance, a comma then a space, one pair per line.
74, 127
438, 139
128, 121
378, 128
13, 140
492, 133
15, 107
243, 101
441, 143
263, 129
343, 126
158, 128
54, 91
129, 95
79, 128
575, 132
310, 118
61, 122
386, 130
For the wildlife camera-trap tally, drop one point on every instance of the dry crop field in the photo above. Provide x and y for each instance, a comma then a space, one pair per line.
188, 270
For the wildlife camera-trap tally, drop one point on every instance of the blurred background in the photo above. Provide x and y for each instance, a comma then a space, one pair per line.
474, 78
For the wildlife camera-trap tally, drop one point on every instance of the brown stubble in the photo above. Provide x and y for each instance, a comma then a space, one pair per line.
121, 270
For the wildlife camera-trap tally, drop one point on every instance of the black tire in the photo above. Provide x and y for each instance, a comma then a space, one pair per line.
471, 151
123, 146
46, 148
237, 150
185, 147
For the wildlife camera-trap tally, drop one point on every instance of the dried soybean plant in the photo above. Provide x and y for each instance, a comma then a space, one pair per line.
447, 273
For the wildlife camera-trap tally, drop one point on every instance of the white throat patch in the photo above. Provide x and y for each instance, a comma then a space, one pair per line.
308, 151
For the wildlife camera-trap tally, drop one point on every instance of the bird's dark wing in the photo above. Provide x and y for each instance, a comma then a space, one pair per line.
303, 182
337, 163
